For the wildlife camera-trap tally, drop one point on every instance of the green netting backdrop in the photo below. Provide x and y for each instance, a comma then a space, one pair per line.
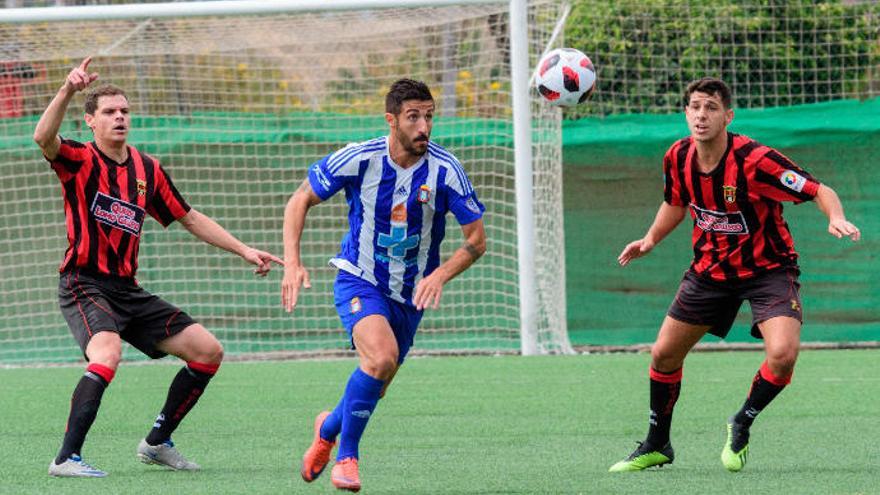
613, 186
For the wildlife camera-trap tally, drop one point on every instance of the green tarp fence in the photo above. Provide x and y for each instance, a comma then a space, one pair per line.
613, 186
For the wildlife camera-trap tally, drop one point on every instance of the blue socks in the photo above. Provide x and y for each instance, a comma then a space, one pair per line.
352, 413
333, 423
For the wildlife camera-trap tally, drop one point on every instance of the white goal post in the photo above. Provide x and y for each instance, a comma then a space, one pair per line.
237, 98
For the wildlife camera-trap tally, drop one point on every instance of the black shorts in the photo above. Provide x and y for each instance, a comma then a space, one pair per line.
703, 301
92, 304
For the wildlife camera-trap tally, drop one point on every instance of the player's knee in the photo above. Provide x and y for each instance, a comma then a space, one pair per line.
202, 347
382, 367
107, 357
212, 352
664, 360
105, 351
782, 361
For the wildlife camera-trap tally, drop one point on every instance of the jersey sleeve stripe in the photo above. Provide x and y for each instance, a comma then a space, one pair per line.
345, 155
168, 204
773, 181
669, 186
456, 167
783, 161
445, 164
161, 208
743, 152
352, 157
341, 157
678, 168
181, 203
459, 170
91, 228
71, 156
75, 226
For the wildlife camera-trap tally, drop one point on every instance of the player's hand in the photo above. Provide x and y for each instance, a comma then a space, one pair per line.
262, 259
429, 290
840, 227
295, 276
80, 78
633, 250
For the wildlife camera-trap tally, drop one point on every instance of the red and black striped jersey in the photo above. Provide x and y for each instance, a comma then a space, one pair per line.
738, 231
105, 204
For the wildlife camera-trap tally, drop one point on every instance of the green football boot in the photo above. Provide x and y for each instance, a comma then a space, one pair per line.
736, 450
644, 457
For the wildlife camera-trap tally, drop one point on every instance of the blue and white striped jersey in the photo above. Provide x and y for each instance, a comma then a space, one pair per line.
397, 216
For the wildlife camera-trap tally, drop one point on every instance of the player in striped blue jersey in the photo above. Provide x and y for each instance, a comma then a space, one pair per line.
399, 188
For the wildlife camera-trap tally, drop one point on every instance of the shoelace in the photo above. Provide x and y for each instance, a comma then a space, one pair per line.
78, 460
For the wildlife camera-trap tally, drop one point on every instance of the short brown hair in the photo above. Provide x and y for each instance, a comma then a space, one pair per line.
403, 90
92, 96
711, 86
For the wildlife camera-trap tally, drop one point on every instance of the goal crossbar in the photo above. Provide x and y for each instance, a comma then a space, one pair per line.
212, 8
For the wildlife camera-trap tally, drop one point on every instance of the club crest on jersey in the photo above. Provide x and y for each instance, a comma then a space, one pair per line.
356, 305
141, 187
729, 194
424, 194
793, 180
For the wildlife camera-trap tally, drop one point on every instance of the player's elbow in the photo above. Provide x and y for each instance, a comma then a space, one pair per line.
481, 246
477, 247
299, 199
302, 200
42, 139
297, 206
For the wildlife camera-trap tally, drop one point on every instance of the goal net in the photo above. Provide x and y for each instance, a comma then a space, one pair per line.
236, 108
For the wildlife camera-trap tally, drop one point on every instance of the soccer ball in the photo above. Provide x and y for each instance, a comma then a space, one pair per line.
565, 77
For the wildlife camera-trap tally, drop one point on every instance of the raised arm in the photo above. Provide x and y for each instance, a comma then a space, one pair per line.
295, 274
668, 217
208, 230
430, 289
46, 132
829, 204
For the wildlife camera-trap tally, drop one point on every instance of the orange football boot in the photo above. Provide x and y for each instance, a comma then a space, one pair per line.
316, 458
345, 475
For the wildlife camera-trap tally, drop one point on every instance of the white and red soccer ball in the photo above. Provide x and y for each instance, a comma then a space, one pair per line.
565, 77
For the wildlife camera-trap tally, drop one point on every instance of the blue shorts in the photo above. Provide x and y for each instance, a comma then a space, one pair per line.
356, 298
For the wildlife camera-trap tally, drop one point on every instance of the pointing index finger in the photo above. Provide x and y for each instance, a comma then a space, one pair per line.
85, 63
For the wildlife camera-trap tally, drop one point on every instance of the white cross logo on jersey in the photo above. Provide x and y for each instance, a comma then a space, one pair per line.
398, 243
